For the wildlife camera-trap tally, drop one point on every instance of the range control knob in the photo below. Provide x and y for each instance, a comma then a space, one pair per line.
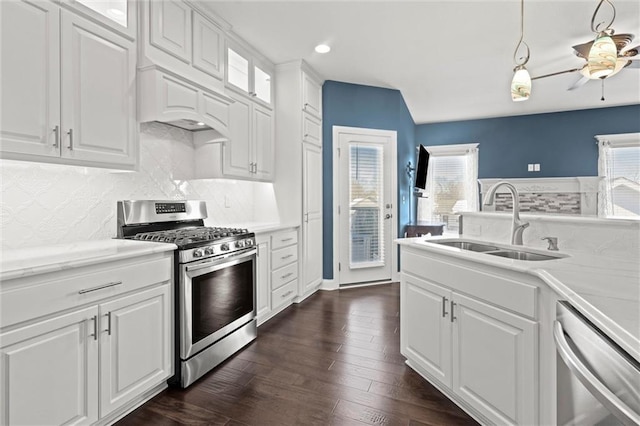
198, 253
239, 244
208, 251
224, 247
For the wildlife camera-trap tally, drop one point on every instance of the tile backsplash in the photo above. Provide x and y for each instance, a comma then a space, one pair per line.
45, 204
555, 203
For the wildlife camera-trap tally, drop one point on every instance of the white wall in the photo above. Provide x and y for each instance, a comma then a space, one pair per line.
43, 204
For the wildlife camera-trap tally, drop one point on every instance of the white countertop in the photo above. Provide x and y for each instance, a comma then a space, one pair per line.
605, 289
39, 260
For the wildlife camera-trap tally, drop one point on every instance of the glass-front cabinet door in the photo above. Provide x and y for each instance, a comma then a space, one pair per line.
117, 14
246, 75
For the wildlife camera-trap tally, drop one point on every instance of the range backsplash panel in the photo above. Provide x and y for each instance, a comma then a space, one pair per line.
46, 204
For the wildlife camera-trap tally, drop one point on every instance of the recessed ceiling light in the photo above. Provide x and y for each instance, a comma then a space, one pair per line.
323, 48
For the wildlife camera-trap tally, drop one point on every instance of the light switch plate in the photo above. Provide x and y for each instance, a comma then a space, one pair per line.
536, 167
530, 167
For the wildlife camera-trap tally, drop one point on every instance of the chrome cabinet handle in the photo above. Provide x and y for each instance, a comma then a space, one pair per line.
286, 275
286, 257
95, 327
287, 294
453, 317
70, 133
444, 306
286, 239
56, 141
590, 381
100, 287
108, 330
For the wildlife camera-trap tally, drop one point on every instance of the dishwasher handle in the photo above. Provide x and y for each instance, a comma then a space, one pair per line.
599, 391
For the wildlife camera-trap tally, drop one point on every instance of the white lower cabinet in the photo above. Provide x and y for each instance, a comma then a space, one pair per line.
484, 355
277, 272
108, 348
49, 371
135, 346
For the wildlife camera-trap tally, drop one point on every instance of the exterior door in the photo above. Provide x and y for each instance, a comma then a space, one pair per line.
50, 371
30, 77
366, 208
312, 221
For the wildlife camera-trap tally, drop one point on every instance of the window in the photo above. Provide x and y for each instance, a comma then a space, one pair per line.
452, 186
619, 165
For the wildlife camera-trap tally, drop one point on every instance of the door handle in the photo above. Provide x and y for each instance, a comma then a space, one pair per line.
70, 133
453, 317
56, 142
444, 306
108, 330
388, 216
95, 327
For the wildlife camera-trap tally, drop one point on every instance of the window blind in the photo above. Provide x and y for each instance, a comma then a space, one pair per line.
625, 181
365, 203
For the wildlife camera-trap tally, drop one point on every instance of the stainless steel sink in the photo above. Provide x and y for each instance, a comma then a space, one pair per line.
522, 255
497, 250
466, 245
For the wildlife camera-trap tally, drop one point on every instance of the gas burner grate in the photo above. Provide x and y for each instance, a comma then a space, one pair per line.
186, 236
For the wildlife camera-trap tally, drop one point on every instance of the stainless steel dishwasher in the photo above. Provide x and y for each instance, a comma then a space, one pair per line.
598, 382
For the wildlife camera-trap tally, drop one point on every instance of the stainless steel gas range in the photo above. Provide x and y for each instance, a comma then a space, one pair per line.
215, 280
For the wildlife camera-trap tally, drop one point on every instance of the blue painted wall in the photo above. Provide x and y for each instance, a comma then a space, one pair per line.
354, 105
562, 143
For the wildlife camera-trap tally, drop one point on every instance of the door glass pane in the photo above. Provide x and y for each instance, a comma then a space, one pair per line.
262, 84
366, 205
116, 10
625, 181
237, 70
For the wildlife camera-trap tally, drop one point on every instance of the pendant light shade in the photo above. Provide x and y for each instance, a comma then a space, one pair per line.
521, 84
602, 56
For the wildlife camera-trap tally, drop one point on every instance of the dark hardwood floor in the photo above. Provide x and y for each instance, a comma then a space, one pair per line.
332, 360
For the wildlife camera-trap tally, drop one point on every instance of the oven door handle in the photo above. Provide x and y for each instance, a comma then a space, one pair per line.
607, 398
223, 261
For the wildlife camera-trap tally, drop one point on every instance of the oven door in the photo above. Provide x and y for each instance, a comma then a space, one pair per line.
216, 297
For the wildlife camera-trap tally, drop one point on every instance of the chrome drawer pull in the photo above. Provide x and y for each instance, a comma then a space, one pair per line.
100, 287
286, 239
287, 294
286, 275
286, 257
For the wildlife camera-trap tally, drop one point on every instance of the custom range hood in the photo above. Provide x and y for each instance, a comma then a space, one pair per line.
167, 98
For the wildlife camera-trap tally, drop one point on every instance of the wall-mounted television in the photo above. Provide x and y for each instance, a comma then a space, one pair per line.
421, 168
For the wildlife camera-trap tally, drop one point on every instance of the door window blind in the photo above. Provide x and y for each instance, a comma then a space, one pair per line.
625, 181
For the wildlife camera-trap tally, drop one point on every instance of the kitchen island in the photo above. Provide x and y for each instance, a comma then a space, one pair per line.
485, 337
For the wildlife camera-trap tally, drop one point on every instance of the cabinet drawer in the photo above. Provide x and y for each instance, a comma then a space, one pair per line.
283, 295
284, 256
80, 287
284, 239
311, 129
178, 96
284, 275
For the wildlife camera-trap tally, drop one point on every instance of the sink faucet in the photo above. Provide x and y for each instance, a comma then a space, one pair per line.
517, 226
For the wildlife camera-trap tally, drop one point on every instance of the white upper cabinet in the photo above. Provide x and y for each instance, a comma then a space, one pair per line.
171, 28
119, 15
311, 95
98, 93
68, 88
207, 46
246, 74
30, 101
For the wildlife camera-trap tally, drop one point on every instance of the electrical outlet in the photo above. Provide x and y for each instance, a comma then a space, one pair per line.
529, 167
536, 167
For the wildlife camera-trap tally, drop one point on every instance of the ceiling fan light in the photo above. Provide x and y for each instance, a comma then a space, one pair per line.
521, 84
602, 56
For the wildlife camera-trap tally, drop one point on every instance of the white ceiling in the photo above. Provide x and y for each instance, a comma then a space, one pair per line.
451, 60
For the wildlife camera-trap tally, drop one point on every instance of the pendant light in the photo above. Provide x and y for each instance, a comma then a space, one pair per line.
603, 54
521, 82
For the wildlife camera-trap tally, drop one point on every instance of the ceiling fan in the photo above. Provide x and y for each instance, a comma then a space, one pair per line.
626, 58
